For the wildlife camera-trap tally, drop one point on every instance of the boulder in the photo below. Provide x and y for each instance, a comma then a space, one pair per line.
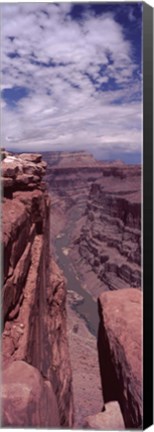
120, 351
28, 399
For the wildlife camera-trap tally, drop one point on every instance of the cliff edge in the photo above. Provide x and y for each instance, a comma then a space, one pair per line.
36, 371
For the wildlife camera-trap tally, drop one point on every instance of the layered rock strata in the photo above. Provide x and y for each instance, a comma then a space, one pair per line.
100, 203
98, 207
33, 297
110, 239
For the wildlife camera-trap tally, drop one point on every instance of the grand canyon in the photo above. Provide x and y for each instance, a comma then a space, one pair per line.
71, 294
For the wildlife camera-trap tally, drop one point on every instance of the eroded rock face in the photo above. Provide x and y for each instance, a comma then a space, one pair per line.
97, 205
33, 295
103, 200
110, 239
22, 172
120, 352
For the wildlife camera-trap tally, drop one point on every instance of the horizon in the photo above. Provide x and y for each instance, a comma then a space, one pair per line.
72, 78
126, 159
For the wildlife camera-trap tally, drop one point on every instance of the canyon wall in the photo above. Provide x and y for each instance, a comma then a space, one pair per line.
97, 207
104, 201
36, 371
110, 239
99, 203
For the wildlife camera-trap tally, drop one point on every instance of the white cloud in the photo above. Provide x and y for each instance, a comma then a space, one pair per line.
64, 107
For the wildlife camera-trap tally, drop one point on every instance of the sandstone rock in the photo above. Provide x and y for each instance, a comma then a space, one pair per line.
31, 157
20, 243
14, 218
28, 400
110, 419
120, 352
14, 285
31, 168
59, 366
11, 166
24, 179
36, 331
24, 171
111, 226
7, 345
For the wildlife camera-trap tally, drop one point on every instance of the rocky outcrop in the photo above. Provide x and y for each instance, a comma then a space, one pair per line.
120, 352
24, 172
33, 295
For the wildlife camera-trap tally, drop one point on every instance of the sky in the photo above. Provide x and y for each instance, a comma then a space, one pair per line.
72, 78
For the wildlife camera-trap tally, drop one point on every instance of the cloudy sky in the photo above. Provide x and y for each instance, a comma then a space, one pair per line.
72, 78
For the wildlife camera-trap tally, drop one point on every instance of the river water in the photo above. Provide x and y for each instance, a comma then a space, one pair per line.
87, 309
87, 391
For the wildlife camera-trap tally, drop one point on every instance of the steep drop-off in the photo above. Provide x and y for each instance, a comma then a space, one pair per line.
86, 227
36, 368
99, 204
96, 235
109, 241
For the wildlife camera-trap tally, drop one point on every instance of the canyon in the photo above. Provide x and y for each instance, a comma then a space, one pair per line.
72, 298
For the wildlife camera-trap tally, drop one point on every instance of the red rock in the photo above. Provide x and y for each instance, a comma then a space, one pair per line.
31, 157
11, 169
20, 243
36, 332
22, 172
120, 351
14, 285
14, 218
28, 400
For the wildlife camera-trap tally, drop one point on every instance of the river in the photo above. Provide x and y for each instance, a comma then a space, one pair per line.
82, 324
87, 309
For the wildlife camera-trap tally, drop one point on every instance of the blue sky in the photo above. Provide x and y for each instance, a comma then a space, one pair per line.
72, 78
